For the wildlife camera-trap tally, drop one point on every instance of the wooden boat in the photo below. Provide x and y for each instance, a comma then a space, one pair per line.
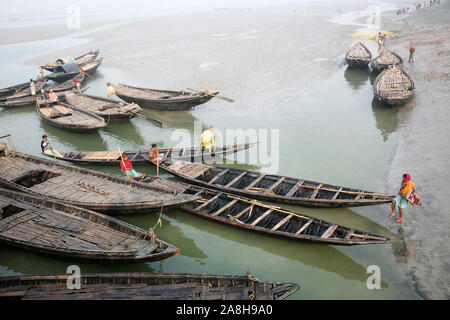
106, 108
162, 99
144, 286
26, 91
65, 116
68, 85
52, 228
69, 70
249, 214
394, 86
91, 55
5, 92
384, 60
273, 188
358, 56
140, 157
85, 188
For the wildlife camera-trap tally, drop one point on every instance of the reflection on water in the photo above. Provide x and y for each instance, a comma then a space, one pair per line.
125, 131
174, 119
16, 260
385, 117
78, 141
356, 77
404, 249
170, 233
324, 257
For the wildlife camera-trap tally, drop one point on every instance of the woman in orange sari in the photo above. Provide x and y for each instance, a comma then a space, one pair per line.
400, 201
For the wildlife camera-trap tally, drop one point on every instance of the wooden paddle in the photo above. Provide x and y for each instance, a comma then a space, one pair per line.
211, 93
153, 121
121, 157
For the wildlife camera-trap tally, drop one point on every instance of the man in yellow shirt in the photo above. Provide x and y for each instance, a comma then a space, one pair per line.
110, 90
207, 138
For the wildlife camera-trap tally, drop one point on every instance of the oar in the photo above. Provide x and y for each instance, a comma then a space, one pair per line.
208, 93
121, 157
153, 121
50, 145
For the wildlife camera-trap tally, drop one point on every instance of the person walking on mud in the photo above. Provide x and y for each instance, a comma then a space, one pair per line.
407, 193
412, 49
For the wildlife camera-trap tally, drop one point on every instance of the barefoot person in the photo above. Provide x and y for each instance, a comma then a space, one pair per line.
407, 193
127, 168
33, 88
110, 90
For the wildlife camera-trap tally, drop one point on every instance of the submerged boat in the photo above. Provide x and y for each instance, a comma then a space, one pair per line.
162, 99
273, 188
68, 117
85, 188
91, 55
52, 228
358, 56
394, 86
384, 60
145, 286
140, 157
106, 108
249, 214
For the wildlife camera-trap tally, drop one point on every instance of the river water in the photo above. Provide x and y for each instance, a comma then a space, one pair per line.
284, 67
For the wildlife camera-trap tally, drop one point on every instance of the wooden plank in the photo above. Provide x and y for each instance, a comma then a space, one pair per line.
282, 222
337, 193
329, 231
218, 176
235, 179
313, 196
349, 234
306, 225
243, 211
224, 208
255, 181
204, 204
265, 214
276, 184
294, 188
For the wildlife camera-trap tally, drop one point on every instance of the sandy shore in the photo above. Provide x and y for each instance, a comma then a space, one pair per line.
423, 145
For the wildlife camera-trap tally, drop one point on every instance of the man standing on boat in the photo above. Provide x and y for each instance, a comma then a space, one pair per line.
412, 49
110, 90
207, 138
33, 89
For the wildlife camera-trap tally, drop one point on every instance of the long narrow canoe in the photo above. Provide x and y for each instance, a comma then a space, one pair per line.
384, 60
273, 188
5, 92
140, 157
358, 56
66, 116
84, 188
92, 55
394, 86
249, 214
52, 228
106, 108
144, 286
162, 99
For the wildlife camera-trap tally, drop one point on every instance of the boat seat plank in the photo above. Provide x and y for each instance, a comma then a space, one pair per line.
225, 207
204, 204
218, 176
265, 214
337, 193
235, 179
282, 222
254, 182
294, 188
314, 194
306, 225
329, 231
276, 184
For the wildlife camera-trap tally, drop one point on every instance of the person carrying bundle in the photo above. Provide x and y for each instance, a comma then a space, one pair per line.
407, 194
127, 168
